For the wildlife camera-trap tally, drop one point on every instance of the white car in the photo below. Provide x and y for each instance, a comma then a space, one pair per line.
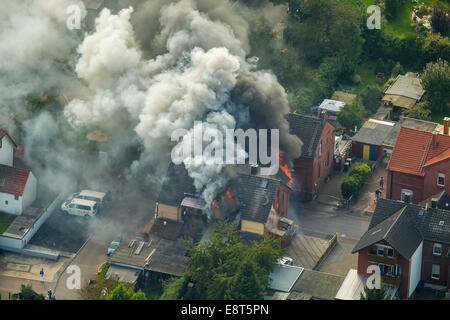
286, 261
80, 207
99, 197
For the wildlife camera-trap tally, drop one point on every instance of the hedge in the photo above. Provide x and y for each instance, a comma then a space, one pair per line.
353, 183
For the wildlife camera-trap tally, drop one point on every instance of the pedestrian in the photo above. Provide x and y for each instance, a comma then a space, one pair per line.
381, 182
378, 194
49, 294
42, 274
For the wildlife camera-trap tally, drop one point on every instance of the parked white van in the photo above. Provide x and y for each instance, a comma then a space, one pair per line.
99, 197
80, 207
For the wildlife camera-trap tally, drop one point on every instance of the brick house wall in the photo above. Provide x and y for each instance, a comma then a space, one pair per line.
429, 259
309, 172
281, 201
368, 257
422, 187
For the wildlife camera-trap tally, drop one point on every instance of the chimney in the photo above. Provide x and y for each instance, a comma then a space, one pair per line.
434, 139
254, 170
446, 123
323, 115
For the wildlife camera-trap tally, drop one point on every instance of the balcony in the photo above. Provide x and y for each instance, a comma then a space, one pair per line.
390, 280
379, 259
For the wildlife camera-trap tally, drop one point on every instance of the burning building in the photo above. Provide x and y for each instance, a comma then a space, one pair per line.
258, 204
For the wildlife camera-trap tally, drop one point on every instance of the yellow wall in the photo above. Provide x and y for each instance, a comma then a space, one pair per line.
254, 227
366, 152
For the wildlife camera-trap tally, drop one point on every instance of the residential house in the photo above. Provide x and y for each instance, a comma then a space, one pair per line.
409, 243
403, 93
259, 204
419, 166
17, 186
316, 158
377, 137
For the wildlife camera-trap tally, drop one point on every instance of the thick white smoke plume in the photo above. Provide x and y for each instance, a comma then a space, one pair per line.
195, 69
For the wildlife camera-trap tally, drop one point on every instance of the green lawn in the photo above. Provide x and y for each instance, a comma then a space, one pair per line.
401, 25
5, 221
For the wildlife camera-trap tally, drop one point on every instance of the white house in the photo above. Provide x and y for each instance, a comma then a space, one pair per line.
17, 186
7, 146
17, 189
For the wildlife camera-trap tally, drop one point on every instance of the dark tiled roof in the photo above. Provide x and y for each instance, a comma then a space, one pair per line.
308, 129
374, 132
167, 229
397, 230
13, 180
431, 224
169, 258
256, 195
176, 185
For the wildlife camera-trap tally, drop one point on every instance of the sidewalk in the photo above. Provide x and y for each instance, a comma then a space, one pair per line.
367, 199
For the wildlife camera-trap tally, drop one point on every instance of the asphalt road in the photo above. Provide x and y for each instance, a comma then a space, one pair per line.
322, 220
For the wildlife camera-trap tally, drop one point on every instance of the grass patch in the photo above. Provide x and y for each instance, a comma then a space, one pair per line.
5, 221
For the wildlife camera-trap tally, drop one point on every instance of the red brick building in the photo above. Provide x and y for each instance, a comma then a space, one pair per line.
408, 243
316, 160
419, 166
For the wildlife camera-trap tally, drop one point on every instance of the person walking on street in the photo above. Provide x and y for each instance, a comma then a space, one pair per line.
42, 274
378, 194
381, 182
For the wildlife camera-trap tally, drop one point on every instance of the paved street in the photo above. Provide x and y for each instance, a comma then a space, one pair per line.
324, 221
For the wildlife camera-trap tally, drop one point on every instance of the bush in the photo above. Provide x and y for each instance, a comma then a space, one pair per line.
354, 182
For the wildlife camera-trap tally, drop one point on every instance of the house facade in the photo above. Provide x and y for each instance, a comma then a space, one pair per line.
316, 159
409, 243
419, 166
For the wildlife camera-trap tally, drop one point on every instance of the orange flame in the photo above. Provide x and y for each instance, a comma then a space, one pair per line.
285, 168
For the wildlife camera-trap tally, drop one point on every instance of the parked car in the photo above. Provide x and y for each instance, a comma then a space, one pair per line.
80, 207
113, 245
100, 197
287, 261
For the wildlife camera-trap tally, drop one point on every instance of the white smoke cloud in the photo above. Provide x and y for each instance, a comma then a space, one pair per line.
192, 80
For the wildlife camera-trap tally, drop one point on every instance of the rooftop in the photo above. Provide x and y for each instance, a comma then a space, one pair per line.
283, 277
331, 105
316, 285
13, 180
169, 258
415, 149
404, 226
407, 86
421, 125
374, 132
309, 130
345, 97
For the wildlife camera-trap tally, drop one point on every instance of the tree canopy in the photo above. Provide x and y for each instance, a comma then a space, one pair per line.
224, 267
436, 82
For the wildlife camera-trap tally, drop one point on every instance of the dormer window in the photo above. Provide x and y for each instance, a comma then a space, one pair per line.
380, 251
441, 180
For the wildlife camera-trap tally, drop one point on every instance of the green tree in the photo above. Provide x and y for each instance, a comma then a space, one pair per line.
120, 293
371, 98
440, 20
419, 111
393, 7
215, 264
324, 28
138, 296
245, 285
27, 293
374, 294
351, 115
436, 82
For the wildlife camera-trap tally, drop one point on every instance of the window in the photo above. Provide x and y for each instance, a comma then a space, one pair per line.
407, 196
380, 251
437, 249
6, 202
435, 271
390, 253
441, 180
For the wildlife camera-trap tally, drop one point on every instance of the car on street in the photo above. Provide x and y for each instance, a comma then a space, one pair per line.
287, 261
